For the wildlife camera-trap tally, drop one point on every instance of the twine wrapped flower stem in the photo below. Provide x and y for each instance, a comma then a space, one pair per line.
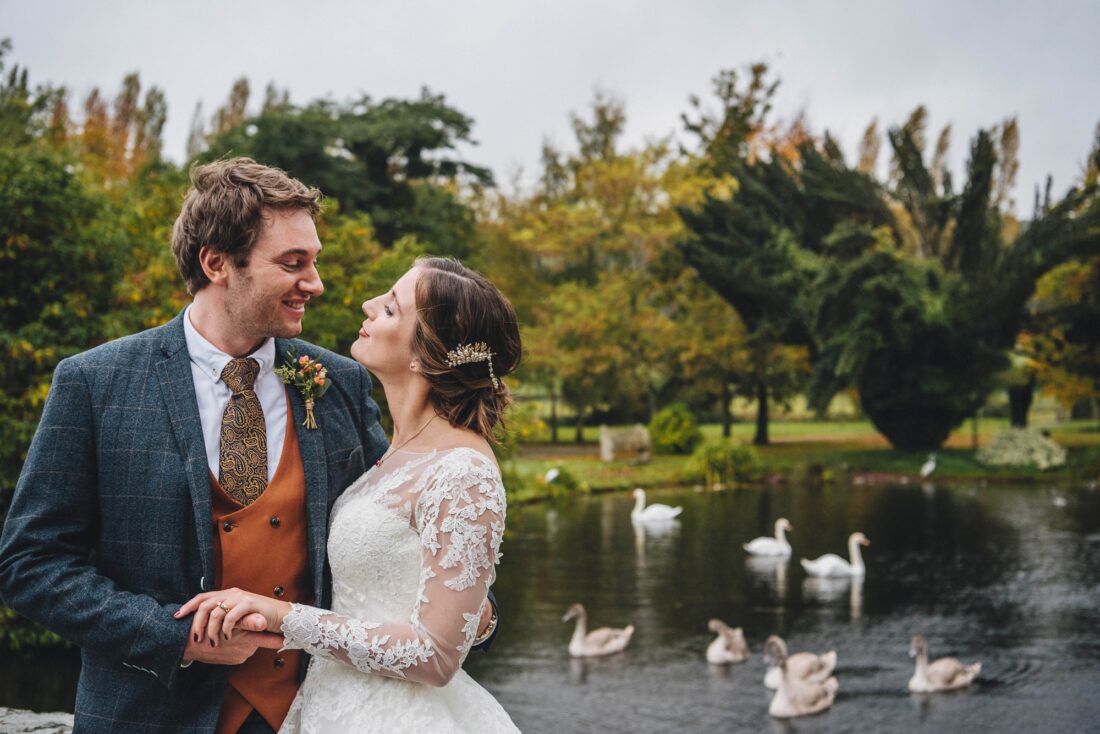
309, 377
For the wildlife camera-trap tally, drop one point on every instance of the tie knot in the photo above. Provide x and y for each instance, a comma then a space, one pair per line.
240, 374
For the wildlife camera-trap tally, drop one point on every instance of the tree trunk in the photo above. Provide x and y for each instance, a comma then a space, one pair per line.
1019, 402
761, 438
553, 415
580, 424
726, 418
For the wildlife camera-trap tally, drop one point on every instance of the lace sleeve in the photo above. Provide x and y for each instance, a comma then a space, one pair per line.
460, 519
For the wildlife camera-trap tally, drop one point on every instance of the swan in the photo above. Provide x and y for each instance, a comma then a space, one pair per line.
944, 674
602, 641
794, 696
928, 467
831, 564
652, 513
729, 646
777, 546
800, 666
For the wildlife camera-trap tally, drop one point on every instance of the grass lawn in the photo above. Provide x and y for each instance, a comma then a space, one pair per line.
839, 448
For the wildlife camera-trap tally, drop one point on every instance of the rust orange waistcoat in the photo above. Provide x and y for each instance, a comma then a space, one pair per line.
264, 548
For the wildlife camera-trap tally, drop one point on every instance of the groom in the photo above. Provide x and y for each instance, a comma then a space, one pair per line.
175, 461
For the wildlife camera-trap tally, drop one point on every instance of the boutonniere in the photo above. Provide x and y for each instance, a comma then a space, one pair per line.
309, 376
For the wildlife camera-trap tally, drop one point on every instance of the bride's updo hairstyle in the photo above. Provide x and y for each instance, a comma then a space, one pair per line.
457, 307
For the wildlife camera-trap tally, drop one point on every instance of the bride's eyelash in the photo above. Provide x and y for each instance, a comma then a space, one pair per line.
387, 310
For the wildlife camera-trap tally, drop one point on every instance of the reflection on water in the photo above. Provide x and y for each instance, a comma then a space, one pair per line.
999, 574
771, 570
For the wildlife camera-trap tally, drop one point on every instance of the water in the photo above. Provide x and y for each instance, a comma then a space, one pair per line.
997, 574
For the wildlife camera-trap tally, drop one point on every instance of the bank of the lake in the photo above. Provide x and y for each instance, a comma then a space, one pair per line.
804, 450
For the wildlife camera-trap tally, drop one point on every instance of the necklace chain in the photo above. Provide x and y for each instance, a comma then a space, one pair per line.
393, 449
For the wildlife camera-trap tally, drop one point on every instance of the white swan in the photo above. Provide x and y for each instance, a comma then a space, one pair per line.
944, 674
652, 513
800, 666
777, 546
794, 696
831, 564
602, 641
729, 646
928, 467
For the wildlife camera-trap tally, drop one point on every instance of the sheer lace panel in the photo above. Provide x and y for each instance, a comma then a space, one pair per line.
454, 501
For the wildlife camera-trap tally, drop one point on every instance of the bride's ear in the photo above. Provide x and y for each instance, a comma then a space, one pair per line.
414, 366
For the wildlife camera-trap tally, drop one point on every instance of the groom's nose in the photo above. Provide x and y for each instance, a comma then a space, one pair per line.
311, 282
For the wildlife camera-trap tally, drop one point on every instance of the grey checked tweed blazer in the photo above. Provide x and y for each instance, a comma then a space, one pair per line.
110, 528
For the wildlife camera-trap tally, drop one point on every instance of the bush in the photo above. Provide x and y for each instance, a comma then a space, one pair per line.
19, 633
723, 463
1084, 464
1022, 447
673, 430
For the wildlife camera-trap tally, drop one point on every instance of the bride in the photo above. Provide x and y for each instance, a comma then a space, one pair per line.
413, 543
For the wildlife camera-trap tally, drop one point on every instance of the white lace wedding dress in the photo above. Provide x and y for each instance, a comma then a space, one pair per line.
413, 545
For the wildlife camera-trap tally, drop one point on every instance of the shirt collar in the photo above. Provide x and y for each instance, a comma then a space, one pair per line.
211, 361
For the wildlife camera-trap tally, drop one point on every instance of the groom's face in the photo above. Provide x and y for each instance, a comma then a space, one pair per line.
268, 296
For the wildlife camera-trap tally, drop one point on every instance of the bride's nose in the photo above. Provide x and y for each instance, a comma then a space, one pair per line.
367, 310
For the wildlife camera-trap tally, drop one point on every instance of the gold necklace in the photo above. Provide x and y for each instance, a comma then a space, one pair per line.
394, 449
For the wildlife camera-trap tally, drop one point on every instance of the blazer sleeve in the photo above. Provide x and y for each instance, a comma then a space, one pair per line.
46, 568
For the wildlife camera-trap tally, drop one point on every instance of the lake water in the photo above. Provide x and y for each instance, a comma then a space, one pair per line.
1006, 575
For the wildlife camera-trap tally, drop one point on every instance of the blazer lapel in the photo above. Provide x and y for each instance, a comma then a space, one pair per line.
178, 389
311, 444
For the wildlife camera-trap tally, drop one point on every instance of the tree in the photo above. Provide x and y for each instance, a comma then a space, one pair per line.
911, 293
732, 238
62, 256
389, 159
591, 253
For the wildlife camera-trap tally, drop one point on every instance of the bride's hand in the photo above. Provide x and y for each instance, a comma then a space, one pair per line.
218, 613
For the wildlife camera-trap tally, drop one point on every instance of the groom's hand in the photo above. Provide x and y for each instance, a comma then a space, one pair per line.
231, 652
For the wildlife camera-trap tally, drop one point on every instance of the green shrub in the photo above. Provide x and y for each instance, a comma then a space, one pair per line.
1084, 464
19, 633
724, 463
673, 430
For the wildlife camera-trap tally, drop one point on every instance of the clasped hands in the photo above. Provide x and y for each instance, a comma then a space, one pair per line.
231, 624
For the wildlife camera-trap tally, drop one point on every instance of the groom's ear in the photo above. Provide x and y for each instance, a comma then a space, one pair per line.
215, 264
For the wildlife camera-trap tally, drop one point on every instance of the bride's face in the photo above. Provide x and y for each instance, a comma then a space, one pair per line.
384, 345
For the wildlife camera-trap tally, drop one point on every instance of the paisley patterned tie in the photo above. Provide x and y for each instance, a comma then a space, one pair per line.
244, 434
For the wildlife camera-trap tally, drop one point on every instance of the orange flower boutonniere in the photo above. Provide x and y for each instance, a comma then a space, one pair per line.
310, 378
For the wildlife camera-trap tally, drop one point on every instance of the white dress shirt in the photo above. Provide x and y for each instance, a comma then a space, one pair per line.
207, 363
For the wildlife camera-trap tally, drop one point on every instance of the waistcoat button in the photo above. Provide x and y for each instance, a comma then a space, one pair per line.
275, 522
227, 526
279, 662
279, 591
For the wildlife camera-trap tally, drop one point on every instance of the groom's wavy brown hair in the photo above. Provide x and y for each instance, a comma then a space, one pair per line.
225, 208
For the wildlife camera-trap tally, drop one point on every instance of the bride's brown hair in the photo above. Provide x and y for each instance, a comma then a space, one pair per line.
457, 306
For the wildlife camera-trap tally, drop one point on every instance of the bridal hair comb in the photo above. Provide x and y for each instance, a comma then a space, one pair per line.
473, 352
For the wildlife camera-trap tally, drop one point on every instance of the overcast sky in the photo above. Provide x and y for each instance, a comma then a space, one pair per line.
519, 68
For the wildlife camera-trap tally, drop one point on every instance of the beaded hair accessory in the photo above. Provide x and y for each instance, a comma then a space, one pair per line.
473, 352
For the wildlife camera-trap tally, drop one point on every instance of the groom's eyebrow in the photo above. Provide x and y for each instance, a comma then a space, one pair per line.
295, 252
